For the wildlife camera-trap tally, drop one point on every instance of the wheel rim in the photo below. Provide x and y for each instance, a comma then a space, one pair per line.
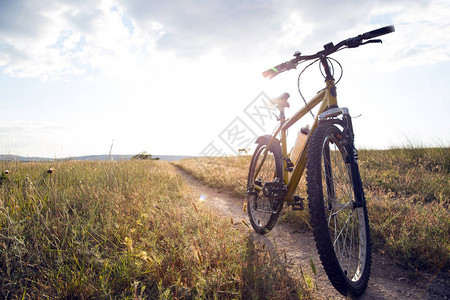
346, 224
259, 205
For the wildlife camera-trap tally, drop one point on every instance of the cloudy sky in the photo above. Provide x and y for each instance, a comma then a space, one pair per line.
178, 77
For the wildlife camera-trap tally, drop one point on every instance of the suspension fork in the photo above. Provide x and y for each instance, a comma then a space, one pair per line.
348, 136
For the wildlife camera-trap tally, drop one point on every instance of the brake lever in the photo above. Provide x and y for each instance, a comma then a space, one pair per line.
372, 41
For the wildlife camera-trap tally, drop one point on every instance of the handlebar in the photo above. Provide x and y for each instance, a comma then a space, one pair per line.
330, 48
378, 32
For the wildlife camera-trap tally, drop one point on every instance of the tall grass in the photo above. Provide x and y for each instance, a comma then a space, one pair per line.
120, 230
420, 173
407, 191
408, 196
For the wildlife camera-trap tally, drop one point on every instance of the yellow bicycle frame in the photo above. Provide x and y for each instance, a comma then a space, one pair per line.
328, 98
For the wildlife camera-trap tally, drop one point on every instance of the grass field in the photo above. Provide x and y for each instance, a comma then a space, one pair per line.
94, 230
407, 191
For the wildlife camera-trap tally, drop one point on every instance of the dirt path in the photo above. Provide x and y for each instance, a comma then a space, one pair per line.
386, 282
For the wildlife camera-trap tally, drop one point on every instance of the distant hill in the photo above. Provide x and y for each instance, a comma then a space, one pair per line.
10, 157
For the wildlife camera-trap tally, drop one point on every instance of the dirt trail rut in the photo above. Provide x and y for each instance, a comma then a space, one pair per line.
386, 282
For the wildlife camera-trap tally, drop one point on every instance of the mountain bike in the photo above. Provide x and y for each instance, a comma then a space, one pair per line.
337, 205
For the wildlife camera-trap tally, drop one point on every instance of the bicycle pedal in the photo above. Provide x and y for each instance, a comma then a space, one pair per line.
298, 203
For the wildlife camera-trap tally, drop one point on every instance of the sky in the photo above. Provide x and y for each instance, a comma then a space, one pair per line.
184, 77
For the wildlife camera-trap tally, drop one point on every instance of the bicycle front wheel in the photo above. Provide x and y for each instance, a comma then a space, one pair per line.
340, 226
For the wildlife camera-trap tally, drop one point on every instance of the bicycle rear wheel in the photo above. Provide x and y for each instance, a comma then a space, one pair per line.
263, 211
340, 226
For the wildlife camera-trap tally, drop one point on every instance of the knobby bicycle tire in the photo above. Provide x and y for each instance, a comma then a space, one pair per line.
341, 229
263, 216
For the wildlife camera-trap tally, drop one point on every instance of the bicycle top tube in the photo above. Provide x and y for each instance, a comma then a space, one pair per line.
330, 48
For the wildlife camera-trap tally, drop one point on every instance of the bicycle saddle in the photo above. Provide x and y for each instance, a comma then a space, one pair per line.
281, 102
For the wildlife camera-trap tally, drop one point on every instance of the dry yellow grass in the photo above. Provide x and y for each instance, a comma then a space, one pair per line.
122, 230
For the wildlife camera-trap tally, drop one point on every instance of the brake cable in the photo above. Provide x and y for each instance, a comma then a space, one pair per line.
299, 89
330, 61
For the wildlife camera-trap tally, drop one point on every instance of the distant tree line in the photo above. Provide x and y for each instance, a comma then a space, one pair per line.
144, 155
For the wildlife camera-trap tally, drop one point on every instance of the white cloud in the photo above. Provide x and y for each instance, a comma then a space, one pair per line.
65, 38
49, 39
426, 33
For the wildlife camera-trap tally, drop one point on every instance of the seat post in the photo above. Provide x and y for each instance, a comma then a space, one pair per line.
282, 115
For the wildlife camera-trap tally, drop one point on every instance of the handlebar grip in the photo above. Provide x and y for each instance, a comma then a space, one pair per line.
275, 71
378, 32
